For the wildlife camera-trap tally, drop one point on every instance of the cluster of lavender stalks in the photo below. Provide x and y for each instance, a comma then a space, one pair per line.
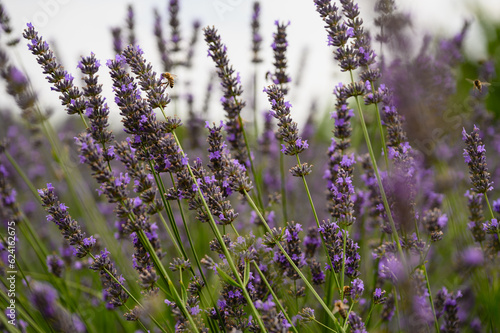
174, 234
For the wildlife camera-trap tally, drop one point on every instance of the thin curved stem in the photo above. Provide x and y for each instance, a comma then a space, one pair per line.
377, 174
381, 130
283, 187
257, 187
428, 285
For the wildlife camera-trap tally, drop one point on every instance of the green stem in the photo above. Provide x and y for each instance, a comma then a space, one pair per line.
377, 174
396, 304
175, 236
234, 229
375, 277
283, 187
319, 323
22, 174
381, 130
436, 323
328, 295
174, 226
311, 203
257, 186
367, 321
296, 298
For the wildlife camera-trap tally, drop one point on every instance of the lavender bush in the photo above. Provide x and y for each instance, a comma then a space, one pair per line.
245, 222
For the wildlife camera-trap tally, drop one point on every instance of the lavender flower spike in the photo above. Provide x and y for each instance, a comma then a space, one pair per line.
71, 230
115, 294
63, 81
97, 109
475, 157
173, 9
287, 128
231, 87
279, 46
491, 227
148, 80
256, 37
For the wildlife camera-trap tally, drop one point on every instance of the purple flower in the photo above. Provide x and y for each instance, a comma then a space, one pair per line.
357, 325
334, 241
311, 242
357, 289
96, 108
472, 257
173, 9
496, 206
341, 204
287, 128
71, 97
445, 303
256, 37
279, 46
70, 229
390, 268
44, 298
491, 227
55, 265
115, 295
305, 315
232, 90
475, 157
195, 310
155, 90
379, 296
476, 217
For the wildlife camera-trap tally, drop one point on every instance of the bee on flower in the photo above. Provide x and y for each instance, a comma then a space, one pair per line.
169, 79
478, 84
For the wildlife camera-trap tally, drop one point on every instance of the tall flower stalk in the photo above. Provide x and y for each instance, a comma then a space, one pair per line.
349, 57
231, 101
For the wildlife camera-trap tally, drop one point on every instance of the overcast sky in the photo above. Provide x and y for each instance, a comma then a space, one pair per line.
79, 27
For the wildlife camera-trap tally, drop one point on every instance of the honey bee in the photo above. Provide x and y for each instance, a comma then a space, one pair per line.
341, 308
478, 84
169, 78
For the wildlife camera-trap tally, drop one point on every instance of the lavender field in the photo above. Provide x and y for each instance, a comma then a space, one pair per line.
142, 203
